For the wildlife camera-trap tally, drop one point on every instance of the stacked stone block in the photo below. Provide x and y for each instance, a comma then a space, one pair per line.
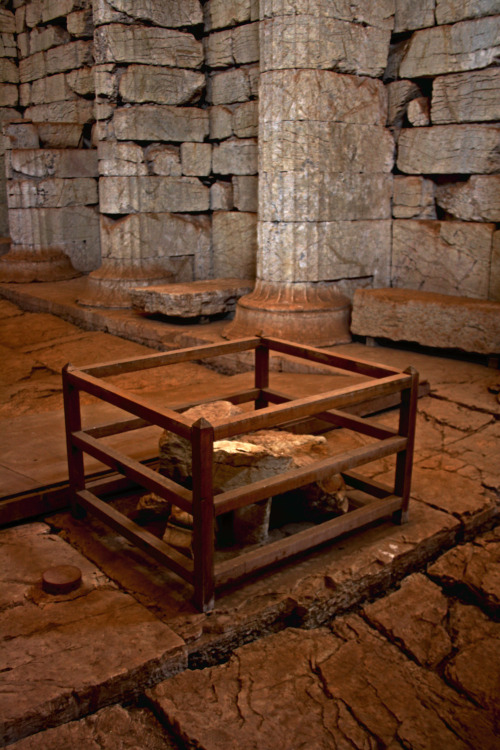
9, 98
446, 196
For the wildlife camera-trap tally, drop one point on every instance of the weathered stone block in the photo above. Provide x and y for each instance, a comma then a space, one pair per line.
400, 94
59, 134
147, 45
52, 9
54, 162
22, 135
221, 13
221, 122
144, 194
221, 196
121, 159
322, 95
8, 46
418, 112
414, 198
246, 120
442, 256
80, 23
196, 159
51, 89
7, 21
435, 320
478, 199
450, 49
78, 111
494, 289
56, 60
163, 159
161, 123
152, 83
170, 15
9, 95
81, 81
450, 11
466, 97
380, 14
52, 193
233, 46
411, 15
245, 190
235, 85
450, 149
235, 156
9, 72
234, 243
214, 297
44, 38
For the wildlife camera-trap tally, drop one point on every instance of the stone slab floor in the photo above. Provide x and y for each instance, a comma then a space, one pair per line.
388, 638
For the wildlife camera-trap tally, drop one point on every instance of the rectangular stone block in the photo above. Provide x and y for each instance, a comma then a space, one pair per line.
78, 111
9, 72
221, 122
52, 192
45, 38
236, 46
148, 45
449, 149
121, 159
235, 85
52, 9
9, 95
53, 162
411, 15
196, 159
234, 244
221, 13
221, 196
447, 257
161, 85
478, 199
51, 89
59, 134
161, 123
125, 195
246, 120
450, 11
379, 14
80, 23
467, 45
245, 190
466, 97
8, 47
168, 14
414, 198
21, 135
235, 156
77, 54
198, 298
322, 95
81, 81
7, 21
163, 159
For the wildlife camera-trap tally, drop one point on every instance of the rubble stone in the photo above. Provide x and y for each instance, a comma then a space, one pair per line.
466, 97
418, 112
160, 123
399, 94
147, 45
164, 160
234, 244
477, 199
125, 195
414, 198
449, 149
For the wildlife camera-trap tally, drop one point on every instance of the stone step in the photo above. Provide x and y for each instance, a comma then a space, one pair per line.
192, 299
428, 318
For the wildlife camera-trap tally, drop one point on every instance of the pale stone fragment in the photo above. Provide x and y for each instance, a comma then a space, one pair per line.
81, 81
235, 85
165, 160
221, 196
9, 95
494, 288
170, 15
478, 199
347, 249
196, 159
449, 149
414, 198
399, 94
235, 156
427, 318
9, 72
234, 242
8, 46
154, 236
161, 123
121, 159
450, 11
7, 21
313, 41
52, 192
147, 45
246, 120
450, 49
418, 112
214, 297
44, 38
466, 97
221, 122
125, 195
152, 83
54, 162
322, 95
77, 111
221, 13
411, 15
22, 135
80, 23
245, 188
337, 197
442, 256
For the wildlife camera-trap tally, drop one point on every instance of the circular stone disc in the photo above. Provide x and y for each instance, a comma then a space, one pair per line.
61, 579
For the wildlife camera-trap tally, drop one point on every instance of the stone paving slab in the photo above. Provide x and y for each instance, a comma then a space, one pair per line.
68, 655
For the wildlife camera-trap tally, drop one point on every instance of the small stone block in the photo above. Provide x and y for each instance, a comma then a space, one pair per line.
61, 579
192, 299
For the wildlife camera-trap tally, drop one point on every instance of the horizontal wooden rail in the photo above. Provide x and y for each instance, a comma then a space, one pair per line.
134, 470
149, 543
370, 486
231, 570
290, 480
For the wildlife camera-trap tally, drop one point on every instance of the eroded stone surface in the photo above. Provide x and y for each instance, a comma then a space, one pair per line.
190, 300
449, 149
477, 199
466, 97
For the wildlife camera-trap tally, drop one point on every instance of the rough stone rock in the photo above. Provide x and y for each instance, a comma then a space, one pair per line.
450, 11
52, 193
472, 571
418, 112
456, 258
414, 198
430, 319
164, 160
221, 197
466, 97
399, 94
78, 111
236, 46
477, 199
246, 120
300, 687
449, 149
234, 85
234, 244
151, 193
153, 83
196, 159
170, 15
221, 13
65, 163
245, 189
123, 158
147, 45
160, 123
191, 300
451, 49
414, 616
80, 23
235, 156
410, 15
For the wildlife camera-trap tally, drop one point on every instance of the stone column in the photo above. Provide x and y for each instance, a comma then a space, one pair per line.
324, 159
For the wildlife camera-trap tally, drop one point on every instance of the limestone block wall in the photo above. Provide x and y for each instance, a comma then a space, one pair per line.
444, 105
9, 99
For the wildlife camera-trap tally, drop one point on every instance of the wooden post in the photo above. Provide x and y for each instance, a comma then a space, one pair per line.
202, 439
404, 460
73, 422
261, 374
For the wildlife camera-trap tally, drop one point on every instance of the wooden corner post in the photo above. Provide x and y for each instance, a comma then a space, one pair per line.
202, 440
261, 374
73, 423
404, 460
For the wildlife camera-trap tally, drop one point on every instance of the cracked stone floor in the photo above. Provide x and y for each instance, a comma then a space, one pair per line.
388, 638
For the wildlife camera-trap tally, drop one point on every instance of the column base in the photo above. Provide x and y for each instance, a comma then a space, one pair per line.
308, 313
23, 264
111, 285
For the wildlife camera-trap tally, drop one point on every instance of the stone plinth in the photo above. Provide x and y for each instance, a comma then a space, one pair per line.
437, 320
190, 300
